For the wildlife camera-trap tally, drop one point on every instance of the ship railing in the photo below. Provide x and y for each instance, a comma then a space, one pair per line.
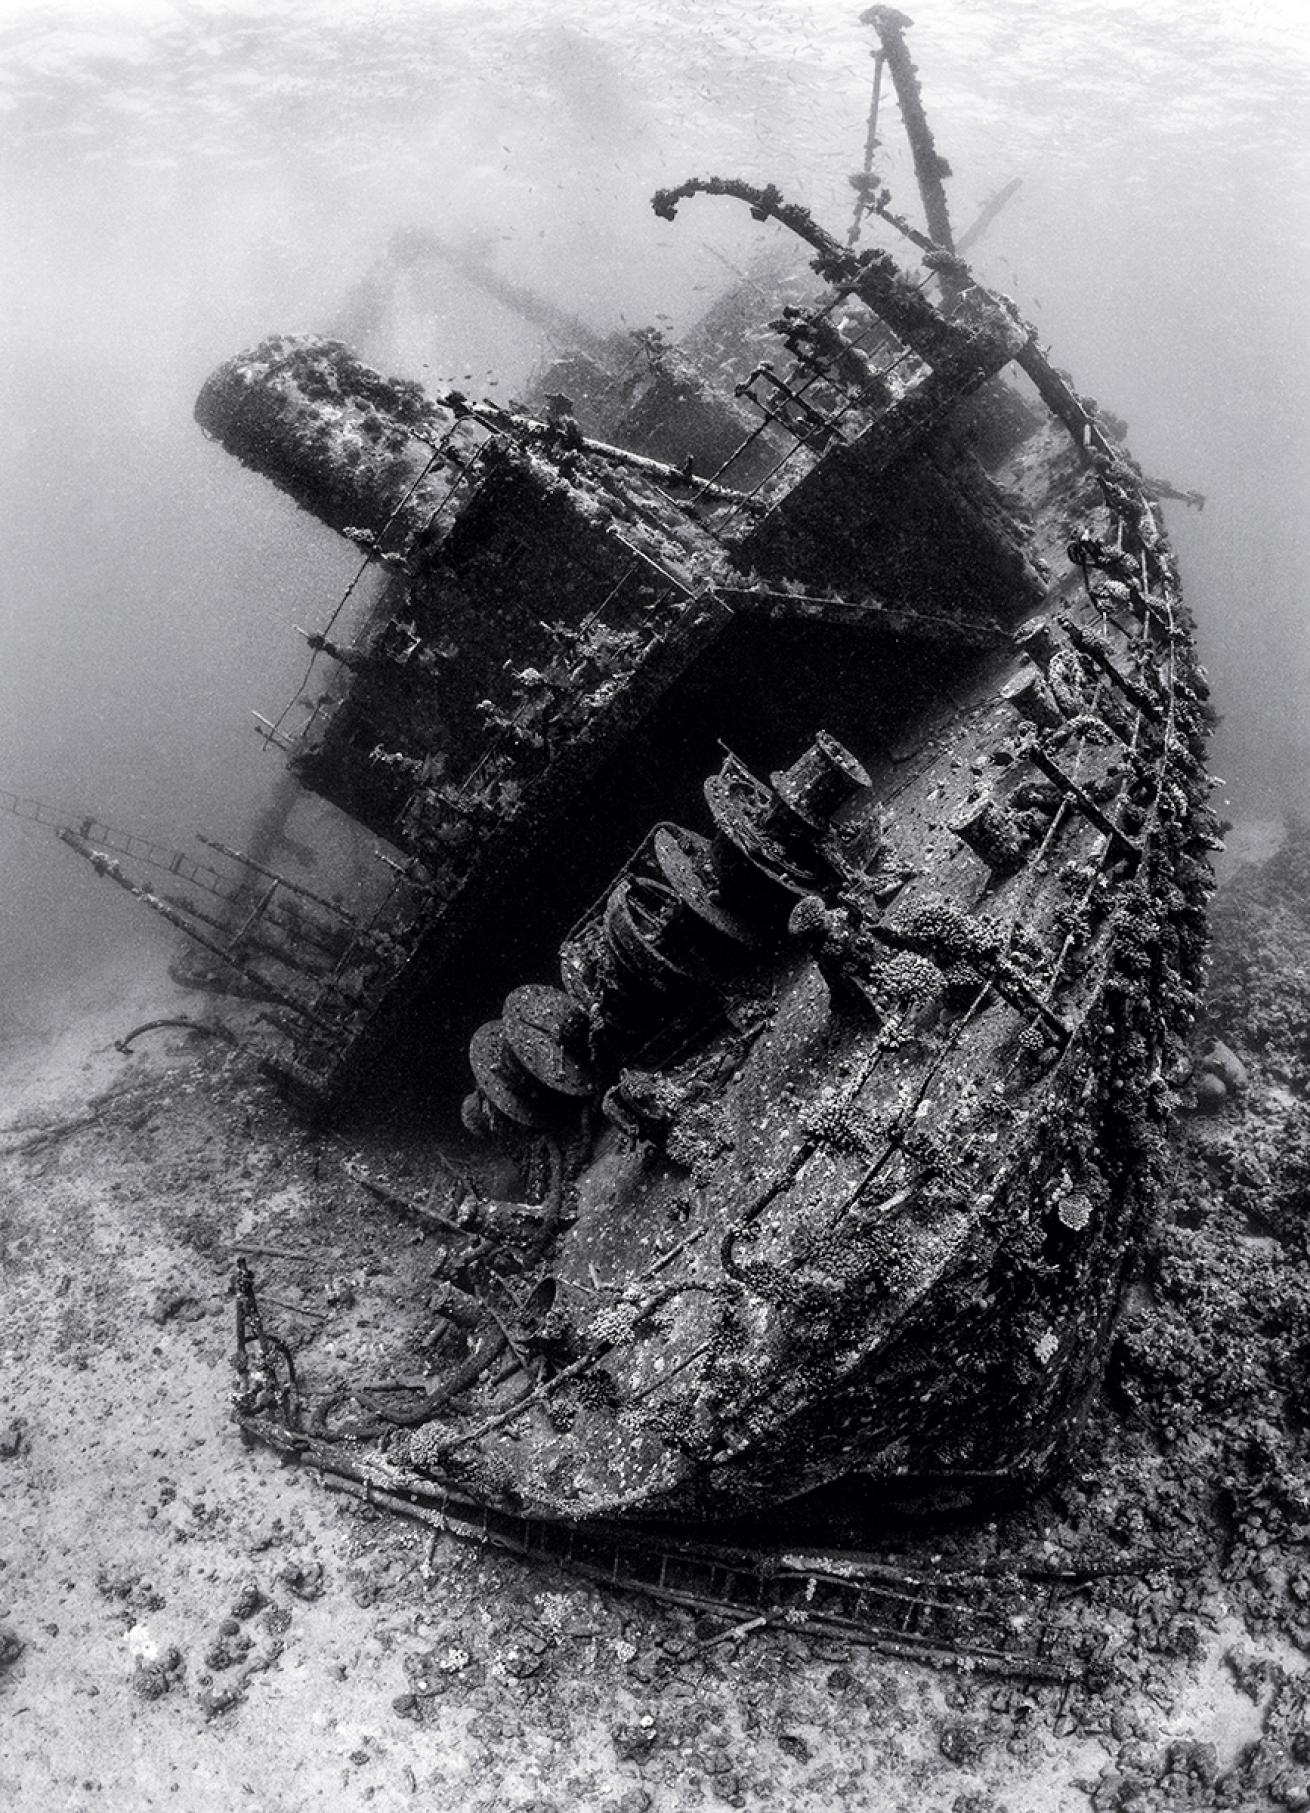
597, 656
241, 911
140, 849
979, 1620
810, 430
463, 466
290, 945
184, 916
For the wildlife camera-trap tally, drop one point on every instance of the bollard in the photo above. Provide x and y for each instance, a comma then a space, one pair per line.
992, 833
1034, 701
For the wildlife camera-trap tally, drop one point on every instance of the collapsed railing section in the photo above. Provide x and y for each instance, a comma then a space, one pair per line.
965, 1620
131, 844
999, 1617
269, 937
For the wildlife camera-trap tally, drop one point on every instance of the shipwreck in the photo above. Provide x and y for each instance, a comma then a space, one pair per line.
788, 774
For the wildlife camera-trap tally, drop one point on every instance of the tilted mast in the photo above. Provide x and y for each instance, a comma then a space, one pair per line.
929, 166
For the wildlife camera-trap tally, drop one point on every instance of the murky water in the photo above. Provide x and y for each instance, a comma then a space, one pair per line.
183, 178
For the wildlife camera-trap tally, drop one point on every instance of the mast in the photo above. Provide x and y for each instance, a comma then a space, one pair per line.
929, 167
987, 214
412, 248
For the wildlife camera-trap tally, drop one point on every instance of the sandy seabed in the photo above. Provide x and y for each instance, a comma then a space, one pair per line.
187, 1623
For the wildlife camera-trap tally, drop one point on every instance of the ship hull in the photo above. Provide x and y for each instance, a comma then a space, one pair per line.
824, 1091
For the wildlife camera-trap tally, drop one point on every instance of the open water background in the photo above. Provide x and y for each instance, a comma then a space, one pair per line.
182, 178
